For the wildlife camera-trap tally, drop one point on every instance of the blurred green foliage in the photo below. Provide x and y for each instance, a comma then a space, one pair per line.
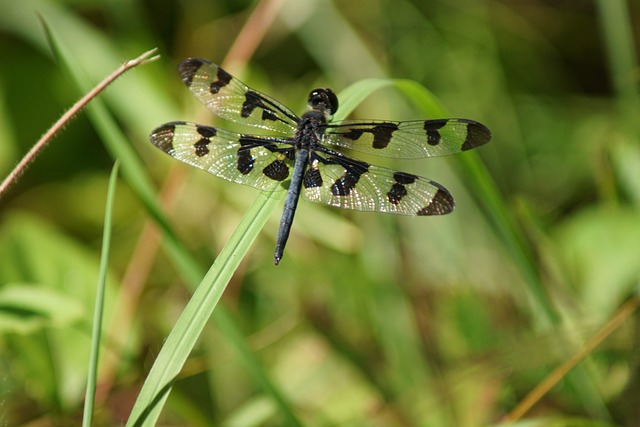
370, 319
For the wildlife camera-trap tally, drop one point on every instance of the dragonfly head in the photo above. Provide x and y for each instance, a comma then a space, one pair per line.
324, 101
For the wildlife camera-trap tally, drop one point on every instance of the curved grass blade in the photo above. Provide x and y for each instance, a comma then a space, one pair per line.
192, 321
484, 188
96, 331
499, 216
218, 277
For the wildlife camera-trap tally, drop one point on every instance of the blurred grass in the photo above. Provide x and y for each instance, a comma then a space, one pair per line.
370, 319
98, 311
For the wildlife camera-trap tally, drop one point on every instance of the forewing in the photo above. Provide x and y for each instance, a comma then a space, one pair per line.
339, 181
260, 162
229, 98
410, 139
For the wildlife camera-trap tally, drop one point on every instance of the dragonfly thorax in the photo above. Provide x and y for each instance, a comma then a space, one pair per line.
310, 129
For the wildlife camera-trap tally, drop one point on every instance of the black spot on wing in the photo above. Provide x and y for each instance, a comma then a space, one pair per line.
441, 203
245, 160
201, 147
397, 192
312, 178
268, 115
477, 134
398, 189
404, 178
251, 102
344, 185
223, 79
276, 170
206, 131
382, 134
354, 169
432, 128
162, 136
353, 134
189, 67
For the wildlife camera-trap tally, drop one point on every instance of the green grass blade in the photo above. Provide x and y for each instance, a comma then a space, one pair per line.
623, 65
418, 94
192, 321
618, 38
483, 185
351, 96
214, 283
96, 332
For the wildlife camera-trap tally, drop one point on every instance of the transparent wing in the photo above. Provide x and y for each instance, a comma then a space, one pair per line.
336, 180
229, 98
410, 139
261, 162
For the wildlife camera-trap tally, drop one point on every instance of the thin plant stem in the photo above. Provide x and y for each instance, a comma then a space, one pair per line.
252, 33
70, 114
561, 371
133, 281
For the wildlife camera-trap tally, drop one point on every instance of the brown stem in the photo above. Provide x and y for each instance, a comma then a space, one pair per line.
66, 117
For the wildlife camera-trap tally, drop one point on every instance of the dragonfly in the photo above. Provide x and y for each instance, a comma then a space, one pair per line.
306, 155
